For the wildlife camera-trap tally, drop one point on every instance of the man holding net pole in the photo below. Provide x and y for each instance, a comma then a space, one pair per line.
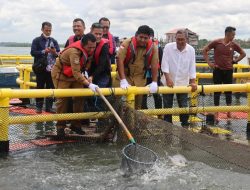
66, 74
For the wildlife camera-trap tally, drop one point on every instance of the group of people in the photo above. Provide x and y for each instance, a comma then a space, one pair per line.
86, 61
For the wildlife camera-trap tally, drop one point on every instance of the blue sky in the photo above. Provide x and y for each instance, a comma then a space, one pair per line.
20, 20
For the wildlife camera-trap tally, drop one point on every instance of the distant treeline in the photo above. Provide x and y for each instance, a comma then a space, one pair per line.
15, 44
202, 42
245, 44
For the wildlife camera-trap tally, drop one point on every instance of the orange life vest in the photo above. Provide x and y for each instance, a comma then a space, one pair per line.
67, 70
131, 53
99, 49
157, 43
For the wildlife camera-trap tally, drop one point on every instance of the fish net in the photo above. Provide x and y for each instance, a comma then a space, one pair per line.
164, 138
137, 158
149, 132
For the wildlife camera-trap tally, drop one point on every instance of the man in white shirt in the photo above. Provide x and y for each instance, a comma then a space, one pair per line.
179, 69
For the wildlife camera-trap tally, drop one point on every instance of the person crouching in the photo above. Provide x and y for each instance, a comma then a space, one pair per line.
67, 74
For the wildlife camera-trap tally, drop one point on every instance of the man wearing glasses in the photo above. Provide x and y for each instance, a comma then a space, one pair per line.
105, 22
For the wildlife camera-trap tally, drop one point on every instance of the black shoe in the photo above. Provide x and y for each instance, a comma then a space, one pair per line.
39, 110
77, 130
60, 132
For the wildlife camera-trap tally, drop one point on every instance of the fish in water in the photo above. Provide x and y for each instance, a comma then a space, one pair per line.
178, 160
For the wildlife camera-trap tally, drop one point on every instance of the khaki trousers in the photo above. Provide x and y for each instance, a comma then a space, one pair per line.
62, 103
136, 80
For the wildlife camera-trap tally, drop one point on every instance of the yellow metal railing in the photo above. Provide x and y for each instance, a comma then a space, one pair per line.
17, 59
26, 70
130, 93
12, 60
25, 75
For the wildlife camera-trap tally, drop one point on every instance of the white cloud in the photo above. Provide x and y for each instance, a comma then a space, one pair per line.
21, 19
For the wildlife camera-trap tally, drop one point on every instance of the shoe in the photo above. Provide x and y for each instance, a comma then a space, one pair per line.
60, 131
39, 110
77, 130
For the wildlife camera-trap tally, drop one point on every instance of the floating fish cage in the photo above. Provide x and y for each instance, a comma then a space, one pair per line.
8, 76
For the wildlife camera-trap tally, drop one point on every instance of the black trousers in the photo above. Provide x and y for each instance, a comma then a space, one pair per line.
222, 77
44, 81
182, 99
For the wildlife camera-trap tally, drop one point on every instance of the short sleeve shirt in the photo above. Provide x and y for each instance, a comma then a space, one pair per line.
223, 53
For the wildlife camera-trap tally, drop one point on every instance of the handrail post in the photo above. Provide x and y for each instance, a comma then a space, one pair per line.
17, 60
194, 100
4, 124
131, 99
194, 95
248, 104
21, 77
26, 78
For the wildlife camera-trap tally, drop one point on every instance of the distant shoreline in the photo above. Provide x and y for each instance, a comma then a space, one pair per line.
244, 44
16, 44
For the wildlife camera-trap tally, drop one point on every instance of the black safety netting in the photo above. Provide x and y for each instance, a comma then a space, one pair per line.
151, 132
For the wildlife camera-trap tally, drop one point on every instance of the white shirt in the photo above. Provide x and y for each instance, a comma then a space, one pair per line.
180, 65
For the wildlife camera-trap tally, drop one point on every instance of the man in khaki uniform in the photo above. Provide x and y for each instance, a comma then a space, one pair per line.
135, 56
67, 74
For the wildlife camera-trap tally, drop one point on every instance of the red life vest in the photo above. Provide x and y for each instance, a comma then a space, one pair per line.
71, 39
67, 70
157, 43
131, 53
99, 49
111, 47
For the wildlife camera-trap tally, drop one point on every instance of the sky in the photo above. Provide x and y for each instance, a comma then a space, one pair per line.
20, 20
